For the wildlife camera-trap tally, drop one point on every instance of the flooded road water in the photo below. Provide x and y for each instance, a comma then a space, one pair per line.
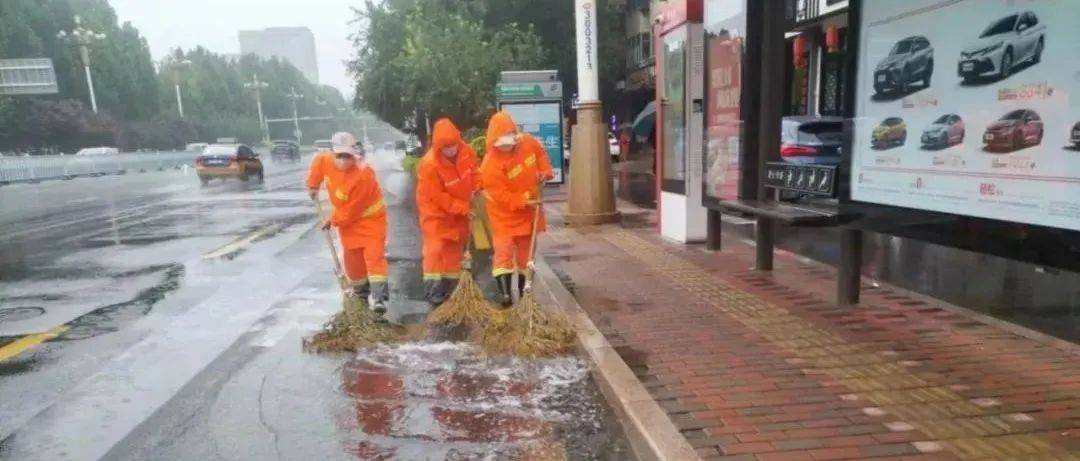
184, 310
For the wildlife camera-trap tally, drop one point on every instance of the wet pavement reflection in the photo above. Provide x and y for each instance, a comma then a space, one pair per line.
443, 401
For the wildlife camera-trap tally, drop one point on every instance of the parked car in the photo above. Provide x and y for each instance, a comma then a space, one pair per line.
401, 145
910, 60
389, 146
98, 151
1007, 42
613, 146
946, 131
285, 151
228, 161
811, 140
1015, 130
1076, 135
891, 132
323, 144
196, 147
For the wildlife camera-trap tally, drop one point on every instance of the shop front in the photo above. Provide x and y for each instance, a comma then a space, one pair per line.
679, 96
958, 173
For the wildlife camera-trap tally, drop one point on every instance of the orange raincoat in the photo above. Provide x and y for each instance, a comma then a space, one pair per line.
511, 180
444, 199
359, 214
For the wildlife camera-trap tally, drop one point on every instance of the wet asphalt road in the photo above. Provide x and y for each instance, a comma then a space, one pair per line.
180, 311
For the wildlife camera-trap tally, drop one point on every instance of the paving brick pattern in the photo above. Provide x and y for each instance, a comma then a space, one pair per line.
760, 366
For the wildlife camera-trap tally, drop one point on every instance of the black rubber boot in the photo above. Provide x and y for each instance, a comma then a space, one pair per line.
361, 291
433, 293
380, 293
505, 282
521, 285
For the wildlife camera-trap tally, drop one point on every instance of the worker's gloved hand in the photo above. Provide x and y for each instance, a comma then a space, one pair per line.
313, 193
327, 224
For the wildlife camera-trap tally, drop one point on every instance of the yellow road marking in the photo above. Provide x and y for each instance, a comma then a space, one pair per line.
27, 342
236, 245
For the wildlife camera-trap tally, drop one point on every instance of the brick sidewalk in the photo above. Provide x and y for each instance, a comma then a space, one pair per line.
760, 366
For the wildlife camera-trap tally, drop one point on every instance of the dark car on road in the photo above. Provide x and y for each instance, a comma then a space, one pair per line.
1015, 130
808, 140
1075, 137
946, 131
228, 161
1009, 41
910, 60
285, 151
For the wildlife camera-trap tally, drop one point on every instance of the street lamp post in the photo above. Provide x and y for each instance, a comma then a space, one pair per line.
83, 38
592, 196
256, 85
176, 77
295, 97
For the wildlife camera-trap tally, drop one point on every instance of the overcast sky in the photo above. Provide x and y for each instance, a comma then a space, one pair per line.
168, 24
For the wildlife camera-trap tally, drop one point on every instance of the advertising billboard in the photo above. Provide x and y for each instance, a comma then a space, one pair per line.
725, 28
970, 107
543, 120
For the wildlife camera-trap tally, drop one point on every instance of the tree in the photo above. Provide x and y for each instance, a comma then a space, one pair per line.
421, 59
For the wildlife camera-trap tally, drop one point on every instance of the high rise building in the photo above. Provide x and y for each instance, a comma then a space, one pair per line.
293, 44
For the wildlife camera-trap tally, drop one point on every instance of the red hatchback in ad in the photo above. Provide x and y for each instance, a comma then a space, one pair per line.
1014, 131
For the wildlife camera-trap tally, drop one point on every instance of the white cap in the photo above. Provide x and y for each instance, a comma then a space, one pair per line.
505, 140
344, 143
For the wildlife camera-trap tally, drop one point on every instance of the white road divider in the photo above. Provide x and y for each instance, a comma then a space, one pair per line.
47, 167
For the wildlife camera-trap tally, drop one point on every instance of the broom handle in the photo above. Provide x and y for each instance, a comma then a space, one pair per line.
329, 240
535, 231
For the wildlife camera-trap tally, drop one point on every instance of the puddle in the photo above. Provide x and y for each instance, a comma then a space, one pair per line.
443, 401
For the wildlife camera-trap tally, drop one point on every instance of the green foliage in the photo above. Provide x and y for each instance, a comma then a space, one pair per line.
421, 59
137, 103
410, 163
418, 60
479, 144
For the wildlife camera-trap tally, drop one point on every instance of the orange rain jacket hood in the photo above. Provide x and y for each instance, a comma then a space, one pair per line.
444, 186
512, 179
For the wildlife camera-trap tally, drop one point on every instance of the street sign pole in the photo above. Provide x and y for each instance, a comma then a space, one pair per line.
592, 196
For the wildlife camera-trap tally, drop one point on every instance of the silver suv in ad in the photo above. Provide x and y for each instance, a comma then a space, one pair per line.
910, 60
1009, 41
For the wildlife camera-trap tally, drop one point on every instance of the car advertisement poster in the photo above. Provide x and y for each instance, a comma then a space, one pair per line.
544, 122
725, 24
970, 107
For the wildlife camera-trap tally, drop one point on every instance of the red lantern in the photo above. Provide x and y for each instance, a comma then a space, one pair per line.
832, 38
798, 51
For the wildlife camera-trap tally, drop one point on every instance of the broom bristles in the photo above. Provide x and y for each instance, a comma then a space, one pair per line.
528, 330
354, 328
466, 306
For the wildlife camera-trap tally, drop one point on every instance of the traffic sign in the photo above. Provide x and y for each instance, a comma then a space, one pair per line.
22, 77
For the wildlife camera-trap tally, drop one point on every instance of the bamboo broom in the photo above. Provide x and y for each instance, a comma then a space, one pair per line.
527, 329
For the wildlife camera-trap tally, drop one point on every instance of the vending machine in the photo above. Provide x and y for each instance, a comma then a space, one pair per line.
680, 55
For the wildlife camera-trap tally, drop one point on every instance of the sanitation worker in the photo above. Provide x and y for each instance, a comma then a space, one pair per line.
359, 215
447, 178
514, 169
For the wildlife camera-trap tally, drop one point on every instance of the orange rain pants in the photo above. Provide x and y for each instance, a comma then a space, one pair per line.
444, 192
510, 180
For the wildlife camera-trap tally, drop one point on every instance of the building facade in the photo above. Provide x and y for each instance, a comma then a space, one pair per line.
293, 44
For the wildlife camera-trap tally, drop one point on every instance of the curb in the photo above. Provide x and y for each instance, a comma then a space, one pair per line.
651, 433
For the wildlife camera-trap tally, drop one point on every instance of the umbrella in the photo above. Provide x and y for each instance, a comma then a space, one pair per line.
645, 122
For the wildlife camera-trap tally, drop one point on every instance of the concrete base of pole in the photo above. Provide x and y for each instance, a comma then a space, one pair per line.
592, 196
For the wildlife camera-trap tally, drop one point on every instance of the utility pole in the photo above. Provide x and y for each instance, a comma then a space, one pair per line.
257, 85
83, 38
592, 196
176, 77
295, 97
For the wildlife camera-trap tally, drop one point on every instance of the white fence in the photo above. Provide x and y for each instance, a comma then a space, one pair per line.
45, 167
